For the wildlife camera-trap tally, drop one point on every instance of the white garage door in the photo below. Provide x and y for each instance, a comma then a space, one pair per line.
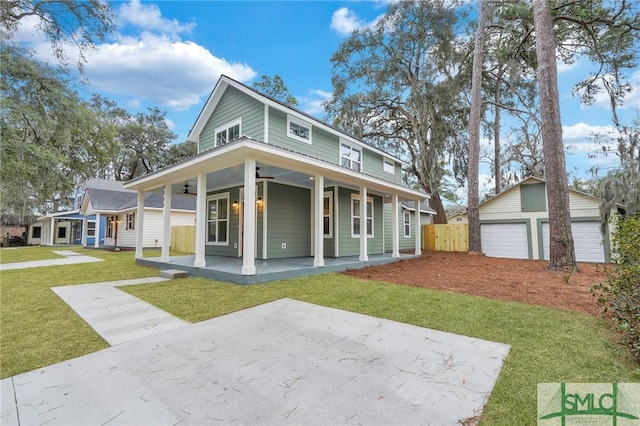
587, 241
505, 240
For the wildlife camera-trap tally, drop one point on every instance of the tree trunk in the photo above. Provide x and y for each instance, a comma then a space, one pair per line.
474, 136
561, 250
436, 203
497, 161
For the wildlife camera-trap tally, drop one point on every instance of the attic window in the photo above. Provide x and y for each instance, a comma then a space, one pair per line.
298, 129
228, 132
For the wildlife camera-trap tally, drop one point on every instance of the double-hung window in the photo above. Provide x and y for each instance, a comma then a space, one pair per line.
218, 219
228, 132
298, 129
407, 224
350, 157
131, 221
327, 214
357, 219
91, 228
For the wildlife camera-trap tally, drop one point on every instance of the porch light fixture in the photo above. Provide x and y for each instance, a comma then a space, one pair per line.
235, 203
259, 200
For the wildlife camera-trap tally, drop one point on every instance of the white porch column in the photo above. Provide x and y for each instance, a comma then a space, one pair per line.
85, 223
249, 239
394, 227
51, 234
318, 222
166, 224
201, 221
96, 239
139, 226
418, 229
363, 224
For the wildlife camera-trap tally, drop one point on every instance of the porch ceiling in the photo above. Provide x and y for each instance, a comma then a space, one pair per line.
225, 167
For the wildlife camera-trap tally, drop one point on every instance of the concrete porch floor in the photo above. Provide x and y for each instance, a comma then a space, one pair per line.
230, 268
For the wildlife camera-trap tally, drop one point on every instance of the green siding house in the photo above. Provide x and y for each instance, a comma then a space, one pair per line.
272, 182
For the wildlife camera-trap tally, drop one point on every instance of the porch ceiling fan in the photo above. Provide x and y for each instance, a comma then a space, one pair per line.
186, 190
262, 177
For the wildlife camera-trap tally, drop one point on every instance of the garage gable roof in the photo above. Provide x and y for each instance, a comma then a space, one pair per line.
533, 179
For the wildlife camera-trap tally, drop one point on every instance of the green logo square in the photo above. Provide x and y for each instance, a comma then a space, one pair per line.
567, 404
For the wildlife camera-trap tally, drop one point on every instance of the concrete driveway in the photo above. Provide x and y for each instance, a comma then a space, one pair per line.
285, 362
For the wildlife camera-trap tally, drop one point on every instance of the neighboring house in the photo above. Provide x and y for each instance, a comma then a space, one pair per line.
114, 210
515, 223
458, 218
56, 228
13, 229
274, 182
407, 223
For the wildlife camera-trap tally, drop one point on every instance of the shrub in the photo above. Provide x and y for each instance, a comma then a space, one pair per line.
620, 294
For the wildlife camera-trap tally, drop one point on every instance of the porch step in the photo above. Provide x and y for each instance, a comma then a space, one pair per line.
174, 273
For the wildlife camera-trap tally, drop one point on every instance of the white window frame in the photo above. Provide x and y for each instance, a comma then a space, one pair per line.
406, 223
225, 128
355, 197
299, 122
389, 162
223, 195
352, 148
131, 222
91, 232
329, 195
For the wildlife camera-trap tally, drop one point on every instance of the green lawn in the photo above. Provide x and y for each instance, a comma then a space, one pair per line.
24, 254
547, 345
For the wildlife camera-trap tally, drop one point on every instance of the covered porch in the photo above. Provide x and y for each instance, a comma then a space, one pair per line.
236, 217
230, 269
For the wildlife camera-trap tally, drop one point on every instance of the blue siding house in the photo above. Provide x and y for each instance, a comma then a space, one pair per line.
272, 182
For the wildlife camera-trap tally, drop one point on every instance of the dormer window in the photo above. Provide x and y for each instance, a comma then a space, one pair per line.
350, 157
298, 129
389, 166
228, 132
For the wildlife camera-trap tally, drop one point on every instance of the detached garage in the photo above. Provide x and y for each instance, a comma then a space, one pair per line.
515, 224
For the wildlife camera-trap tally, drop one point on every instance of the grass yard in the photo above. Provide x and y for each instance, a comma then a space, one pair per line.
37, 327
24, 254
547, 345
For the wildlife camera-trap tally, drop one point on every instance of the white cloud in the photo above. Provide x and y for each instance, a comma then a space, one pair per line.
564, 67
344, 21
631, 100
148, 17
154, 68
313, 103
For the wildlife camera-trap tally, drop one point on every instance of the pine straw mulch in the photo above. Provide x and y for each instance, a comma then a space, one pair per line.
527, 281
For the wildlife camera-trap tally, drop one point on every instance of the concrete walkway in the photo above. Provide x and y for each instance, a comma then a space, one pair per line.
70, 258
115, 315
285, 362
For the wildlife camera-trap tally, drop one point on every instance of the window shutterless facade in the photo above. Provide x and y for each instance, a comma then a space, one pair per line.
298, 129
218, 219
407, 224
350, 157
91, 228
228, 132
327, 214
356, 216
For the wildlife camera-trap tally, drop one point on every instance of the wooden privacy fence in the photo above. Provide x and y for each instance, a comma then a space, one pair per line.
450, 237
183, 238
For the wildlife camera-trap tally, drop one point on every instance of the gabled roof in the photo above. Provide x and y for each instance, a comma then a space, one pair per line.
532, 179
106, 184
224, 82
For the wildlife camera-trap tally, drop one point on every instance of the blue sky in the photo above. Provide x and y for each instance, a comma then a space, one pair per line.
171, 53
